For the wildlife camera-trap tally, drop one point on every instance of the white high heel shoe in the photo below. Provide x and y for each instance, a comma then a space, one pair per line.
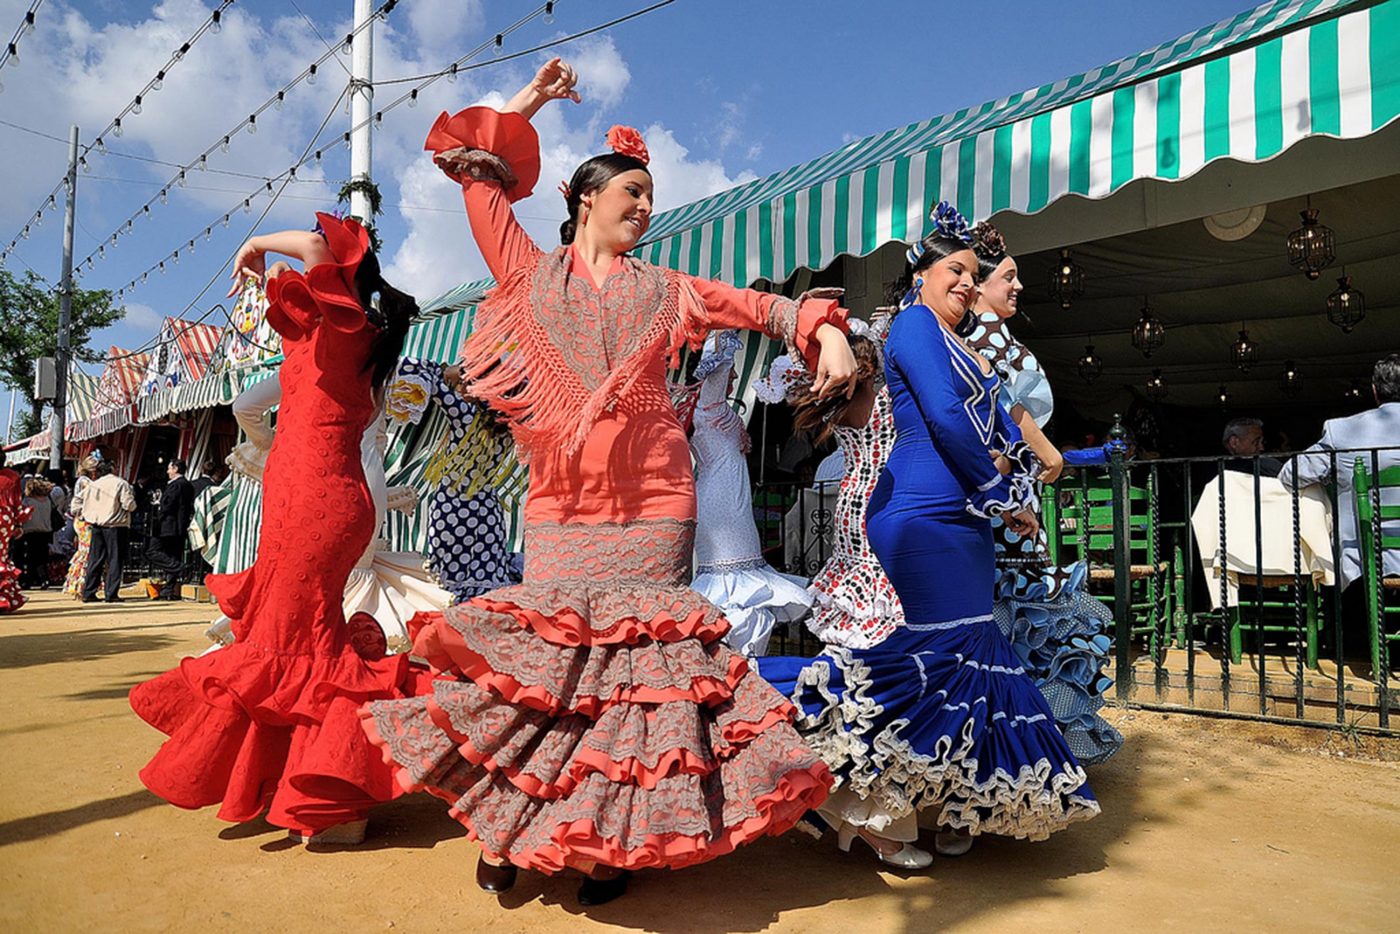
948, 843
906, 857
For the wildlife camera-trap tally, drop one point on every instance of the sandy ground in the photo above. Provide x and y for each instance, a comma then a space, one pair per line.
1207, 825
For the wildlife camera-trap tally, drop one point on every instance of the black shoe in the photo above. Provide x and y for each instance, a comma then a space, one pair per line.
114, 600
88, 599
495, 879
601, 891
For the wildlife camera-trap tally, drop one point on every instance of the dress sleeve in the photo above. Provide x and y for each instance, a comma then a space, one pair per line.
917, 351
795, 321
297, 302
502, 156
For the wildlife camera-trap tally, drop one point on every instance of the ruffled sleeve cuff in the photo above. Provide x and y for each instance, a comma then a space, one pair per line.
408, 395
500, 148
797, 321
1011, 492
298, 301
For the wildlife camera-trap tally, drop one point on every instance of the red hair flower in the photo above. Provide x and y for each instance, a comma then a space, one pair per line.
626, 141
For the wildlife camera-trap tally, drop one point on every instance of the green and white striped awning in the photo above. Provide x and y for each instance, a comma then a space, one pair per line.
1245, 89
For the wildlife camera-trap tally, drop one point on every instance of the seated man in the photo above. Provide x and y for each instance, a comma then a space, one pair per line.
1349, 438
1244, 440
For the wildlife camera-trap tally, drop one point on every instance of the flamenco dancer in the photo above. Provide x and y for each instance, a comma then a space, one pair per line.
13, 512
940, 716
1058, 629
592, 717
731, 571
82, 533
467, 553
269, 724
385, 588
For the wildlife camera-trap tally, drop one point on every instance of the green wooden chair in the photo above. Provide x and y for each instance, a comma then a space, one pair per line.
1379, 610
1083, 530
1281, 596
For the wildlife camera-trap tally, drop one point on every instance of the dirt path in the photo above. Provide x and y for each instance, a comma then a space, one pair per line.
1207, 825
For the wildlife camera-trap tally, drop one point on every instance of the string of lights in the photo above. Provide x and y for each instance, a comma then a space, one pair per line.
10, 55
211, 24
223, 143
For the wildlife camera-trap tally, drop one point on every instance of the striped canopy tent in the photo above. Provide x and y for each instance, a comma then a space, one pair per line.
82, 393
114, 400
183, 354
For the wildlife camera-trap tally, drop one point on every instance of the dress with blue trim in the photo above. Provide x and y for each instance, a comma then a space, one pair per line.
941, 717
1059, 630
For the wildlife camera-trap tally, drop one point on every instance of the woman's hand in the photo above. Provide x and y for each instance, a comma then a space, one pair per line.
554, 81
248, 263
1053, 462
1002, 462
1023, 523
836, 365
277, 268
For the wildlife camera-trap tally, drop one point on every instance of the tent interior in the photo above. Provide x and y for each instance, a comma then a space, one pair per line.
1149, 243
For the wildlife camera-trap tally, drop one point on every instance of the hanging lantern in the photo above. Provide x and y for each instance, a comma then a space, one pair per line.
1156, 387
1346, 306
1312, 247
1066, 280
1242, 352
1292, 380
1149, 333
1090, 366
1222, 396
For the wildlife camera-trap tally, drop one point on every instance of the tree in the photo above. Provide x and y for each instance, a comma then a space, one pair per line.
29, 313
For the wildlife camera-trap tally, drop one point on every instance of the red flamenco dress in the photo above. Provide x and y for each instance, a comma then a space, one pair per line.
269, 723
592, 714
13, 512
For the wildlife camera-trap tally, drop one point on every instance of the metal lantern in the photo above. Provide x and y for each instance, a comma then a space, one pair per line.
1242, 352
1149, 333
1292, 381
1346, 306
1090, 366
1312, 247
1156, 387
1222, 396
1066, 280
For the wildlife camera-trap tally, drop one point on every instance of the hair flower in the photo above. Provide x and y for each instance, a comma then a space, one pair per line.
949, 223
626, 141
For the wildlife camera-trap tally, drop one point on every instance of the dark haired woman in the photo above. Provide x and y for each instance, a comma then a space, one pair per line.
269, 724
940, 717
471, 470
1056, 626
592, 717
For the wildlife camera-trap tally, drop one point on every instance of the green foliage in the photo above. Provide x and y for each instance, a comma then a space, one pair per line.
29, 312
376, 204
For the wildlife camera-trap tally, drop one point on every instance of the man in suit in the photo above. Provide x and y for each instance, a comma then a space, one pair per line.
1349, 438
172, 525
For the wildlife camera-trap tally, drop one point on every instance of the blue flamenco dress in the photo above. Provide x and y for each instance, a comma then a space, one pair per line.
941, 717
1058, 629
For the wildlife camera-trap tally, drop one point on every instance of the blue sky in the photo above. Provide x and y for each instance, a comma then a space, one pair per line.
724, 91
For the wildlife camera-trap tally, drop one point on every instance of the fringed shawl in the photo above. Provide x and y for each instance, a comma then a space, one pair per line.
552, 365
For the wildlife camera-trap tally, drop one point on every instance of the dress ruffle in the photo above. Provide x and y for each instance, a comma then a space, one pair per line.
507, 136
753, 600
593, 733
854, 603
298, 301
1060, 633
980, 752
257, 730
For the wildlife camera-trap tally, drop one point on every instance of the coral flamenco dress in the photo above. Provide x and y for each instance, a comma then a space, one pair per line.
269, 723
13, 512
592, 714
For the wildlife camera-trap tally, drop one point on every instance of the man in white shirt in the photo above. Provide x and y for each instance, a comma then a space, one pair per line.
1349, 438
106, 504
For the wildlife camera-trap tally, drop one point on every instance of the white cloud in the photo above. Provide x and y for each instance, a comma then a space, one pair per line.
143, 316
603, 75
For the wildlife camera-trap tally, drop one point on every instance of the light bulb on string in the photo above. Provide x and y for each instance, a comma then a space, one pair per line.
14, 55
146, 209
277, 103
311, 74
452, 73
100, 146
225, 221
28, 25
348, 44
83, 163
216, 25
180, 52
175, 257
202, 163
180, 179
498, 47
116, 131
413, 98
136, 105
190, 246
162, 267
224, 145
164, 199
548, 18
25, 232
247, 206
208, 232
346, 139
39, 218
318, 157
159, 81
252, 123
379, 118
143, 277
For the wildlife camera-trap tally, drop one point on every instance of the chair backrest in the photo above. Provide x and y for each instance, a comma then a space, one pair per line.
1091, 508
1363, 482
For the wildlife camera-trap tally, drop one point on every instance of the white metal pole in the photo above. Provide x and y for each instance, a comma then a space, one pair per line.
361, 108
58, 421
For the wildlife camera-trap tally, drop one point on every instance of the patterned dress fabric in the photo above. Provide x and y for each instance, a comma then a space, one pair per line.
468, 548
82, 536
269, 724
593, 713
1058, 629
856, 606
731, 571
941, 716
13, 512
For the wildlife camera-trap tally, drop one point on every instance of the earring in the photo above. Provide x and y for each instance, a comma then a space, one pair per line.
919, 282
